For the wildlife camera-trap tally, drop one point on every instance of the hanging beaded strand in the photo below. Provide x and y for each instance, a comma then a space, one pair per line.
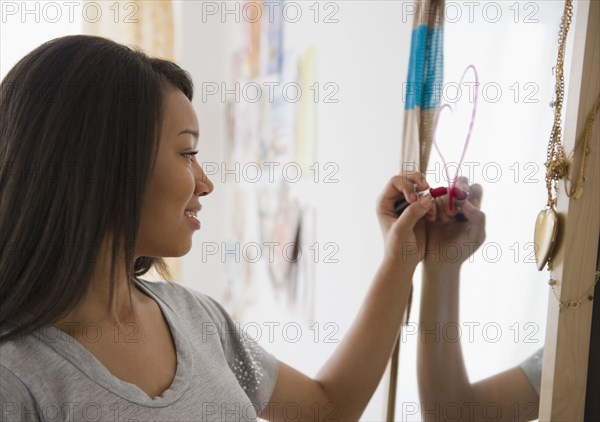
556, 164
576, 189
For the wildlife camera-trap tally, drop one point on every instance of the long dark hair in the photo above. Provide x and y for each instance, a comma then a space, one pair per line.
80, 120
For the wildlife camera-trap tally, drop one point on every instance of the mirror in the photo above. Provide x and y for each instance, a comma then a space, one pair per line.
503, 297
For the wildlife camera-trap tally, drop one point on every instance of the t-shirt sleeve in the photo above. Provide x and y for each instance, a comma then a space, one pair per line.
532, 366
16, 402
255, 368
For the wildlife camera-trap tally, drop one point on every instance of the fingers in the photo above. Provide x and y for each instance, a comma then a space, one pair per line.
441, 206
405, 183
414, 213
444, 211
475, 195
472, 213
460, 197
471, 207
432, 213
467, 206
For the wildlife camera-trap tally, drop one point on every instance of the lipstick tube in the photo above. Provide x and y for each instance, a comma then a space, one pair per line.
402, 204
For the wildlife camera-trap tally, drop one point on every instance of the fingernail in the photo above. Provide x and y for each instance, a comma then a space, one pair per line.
461, 194
425, 203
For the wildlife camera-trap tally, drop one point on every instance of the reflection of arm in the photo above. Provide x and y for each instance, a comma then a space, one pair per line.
444, 385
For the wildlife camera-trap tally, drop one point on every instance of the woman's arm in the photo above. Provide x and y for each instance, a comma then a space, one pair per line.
345, 384
440, 367
444, 386
343, 387
443, 381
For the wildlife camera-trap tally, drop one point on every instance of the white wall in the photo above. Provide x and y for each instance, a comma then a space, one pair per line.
365, 54
21, 32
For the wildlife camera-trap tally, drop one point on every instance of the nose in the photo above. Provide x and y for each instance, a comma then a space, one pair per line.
204, 186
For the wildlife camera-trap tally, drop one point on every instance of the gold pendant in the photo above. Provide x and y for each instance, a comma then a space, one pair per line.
546, 227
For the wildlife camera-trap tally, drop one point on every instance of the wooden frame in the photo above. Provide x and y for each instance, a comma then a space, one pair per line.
565, 364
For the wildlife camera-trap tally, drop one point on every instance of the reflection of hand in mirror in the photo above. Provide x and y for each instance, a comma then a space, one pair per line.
450, 241
442, 376
404, 236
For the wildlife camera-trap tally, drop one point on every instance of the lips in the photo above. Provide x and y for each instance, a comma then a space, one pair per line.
193, 211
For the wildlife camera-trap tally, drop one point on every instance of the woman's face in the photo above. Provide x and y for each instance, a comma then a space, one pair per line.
177, 179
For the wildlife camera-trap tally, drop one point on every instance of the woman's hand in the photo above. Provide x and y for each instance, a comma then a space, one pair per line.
451, 242
404, 236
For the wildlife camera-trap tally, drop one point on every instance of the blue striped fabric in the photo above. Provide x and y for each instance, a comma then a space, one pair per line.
425, 69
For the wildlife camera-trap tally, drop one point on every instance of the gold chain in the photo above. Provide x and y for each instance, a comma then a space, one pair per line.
577, 188
574, 304
556, 164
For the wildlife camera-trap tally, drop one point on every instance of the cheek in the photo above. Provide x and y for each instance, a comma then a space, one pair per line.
169, 193
173, 186
181, 184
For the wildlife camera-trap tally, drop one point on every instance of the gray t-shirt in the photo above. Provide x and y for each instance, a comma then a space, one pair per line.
532, 366
222, 375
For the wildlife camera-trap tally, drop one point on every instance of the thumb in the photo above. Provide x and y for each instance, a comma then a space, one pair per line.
414, 212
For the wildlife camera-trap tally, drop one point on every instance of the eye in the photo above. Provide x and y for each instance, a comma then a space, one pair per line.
190, 154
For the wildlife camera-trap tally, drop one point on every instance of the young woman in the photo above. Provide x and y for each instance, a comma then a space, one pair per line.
98, 181
444, 387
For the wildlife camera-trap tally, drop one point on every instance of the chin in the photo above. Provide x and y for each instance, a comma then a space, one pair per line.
172, 251
184, 249
177, 253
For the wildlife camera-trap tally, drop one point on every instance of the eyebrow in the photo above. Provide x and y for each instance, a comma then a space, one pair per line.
195, 133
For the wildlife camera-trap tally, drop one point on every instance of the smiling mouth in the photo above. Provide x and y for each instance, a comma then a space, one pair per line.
191, 217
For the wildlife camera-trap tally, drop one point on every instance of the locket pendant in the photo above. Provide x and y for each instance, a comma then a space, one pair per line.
546, 228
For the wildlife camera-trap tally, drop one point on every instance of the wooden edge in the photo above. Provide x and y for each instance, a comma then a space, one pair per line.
564, 376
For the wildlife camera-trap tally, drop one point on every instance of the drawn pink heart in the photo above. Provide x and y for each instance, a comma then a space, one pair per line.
452, 191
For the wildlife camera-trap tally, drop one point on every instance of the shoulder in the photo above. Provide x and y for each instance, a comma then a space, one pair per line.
532, 366
174, 293
199, 314
23, 352
182, 299
11, 385
30, 366
535, 360
17, 401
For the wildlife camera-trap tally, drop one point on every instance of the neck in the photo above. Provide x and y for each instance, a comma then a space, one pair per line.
96, 305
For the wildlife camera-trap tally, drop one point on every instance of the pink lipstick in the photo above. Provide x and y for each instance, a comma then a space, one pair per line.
402, 204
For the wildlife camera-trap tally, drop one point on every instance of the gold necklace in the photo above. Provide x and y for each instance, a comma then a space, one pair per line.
557, 166
574, 304
546, 224
576, 189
